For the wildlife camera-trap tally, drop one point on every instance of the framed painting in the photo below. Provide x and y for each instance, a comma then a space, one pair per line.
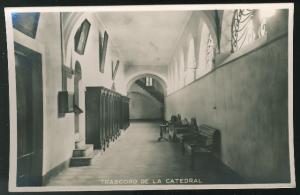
26, 23
81, 36
102, 50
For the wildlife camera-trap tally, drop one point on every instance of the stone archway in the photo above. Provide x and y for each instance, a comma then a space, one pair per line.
146, 102
159, 78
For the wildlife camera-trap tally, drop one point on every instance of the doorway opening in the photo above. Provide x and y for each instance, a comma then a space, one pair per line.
146, 95
29, 89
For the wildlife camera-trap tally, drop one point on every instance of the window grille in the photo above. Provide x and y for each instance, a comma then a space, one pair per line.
247, 26
210, 52
149, 81
242, 31
262, 28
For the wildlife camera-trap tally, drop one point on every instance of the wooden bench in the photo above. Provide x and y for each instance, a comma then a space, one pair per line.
204, 144
176, 126
192, 130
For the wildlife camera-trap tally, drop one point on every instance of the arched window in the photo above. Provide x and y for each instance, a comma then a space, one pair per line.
176, 83
206, 52
210, 55
247, 26
191, 63
172, 78
169, 79
181, 68
242, 31
149, 82
178, 74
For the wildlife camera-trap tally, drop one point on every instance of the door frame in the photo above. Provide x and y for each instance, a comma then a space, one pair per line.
35, 59
17, 37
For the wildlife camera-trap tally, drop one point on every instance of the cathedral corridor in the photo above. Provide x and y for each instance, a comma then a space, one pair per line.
136, 155
91, 91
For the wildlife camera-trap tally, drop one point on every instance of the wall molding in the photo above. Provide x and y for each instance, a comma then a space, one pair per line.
55, 171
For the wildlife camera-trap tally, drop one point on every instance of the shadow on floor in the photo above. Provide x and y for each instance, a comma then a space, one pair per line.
137, 154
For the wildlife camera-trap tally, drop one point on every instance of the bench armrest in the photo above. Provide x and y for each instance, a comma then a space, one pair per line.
182, 130
189, 137
194, 145
198, 148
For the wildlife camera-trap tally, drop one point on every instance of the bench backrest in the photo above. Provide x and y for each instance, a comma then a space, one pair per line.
194, 125
176, 120
185, 122
179, 118
173, 118
211, 138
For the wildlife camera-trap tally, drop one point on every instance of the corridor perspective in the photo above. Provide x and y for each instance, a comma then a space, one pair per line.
148, 159
123, 96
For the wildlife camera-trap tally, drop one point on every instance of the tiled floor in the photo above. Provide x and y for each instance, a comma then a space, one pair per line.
137, 155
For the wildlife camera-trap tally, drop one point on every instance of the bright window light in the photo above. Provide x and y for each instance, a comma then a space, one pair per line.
148, 81
266, 13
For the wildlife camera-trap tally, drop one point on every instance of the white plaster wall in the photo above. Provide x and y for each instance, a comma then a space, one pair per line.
248, 104
58, 137
59, 131
142, 105
89, 61
246, 99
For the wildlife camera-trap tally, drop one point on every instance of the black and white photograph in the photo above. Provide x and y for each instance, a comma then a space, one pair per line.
153, 97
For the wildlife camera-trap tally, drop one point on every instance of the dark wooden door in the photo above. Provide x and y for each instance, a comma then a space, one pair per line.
29, 116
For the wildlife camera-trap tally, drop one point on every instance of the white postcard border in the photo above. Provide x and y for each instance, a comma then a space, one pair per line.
12, 95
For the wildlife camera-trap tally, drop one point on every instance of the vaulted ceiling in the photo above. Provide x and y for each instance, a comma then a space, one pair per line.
145, 38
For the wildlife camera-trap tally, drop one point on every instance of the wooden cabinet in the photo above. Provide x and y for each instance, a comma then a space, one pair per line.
93, 117
125, 112
106, 113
